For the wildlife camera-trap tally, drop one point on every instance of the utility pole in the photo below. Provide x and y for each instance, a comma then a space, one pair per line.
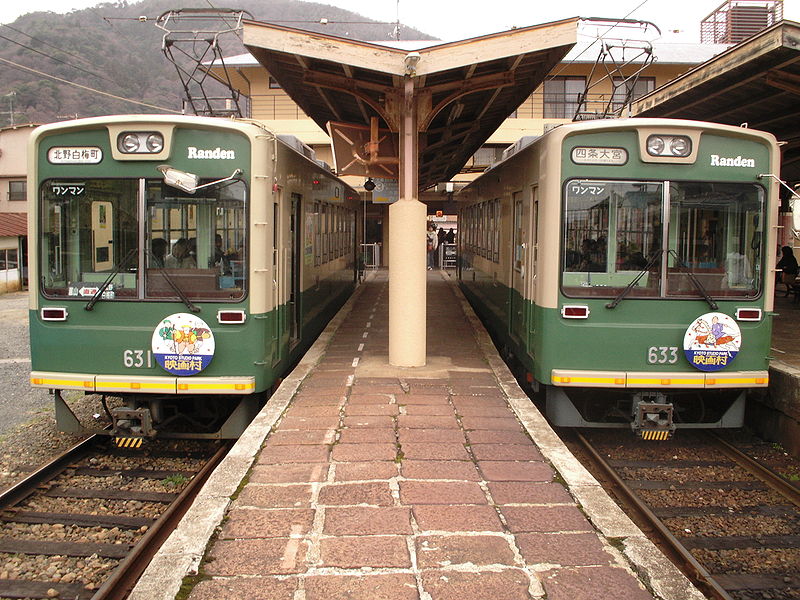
10, 110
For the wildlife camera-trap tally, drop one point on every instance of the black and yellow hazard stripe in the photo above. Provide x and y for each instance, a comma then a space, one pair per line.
655, 434
128, 442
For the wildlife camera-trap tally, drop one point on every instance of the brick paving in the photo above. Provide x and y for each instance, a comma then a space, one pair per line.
406, 484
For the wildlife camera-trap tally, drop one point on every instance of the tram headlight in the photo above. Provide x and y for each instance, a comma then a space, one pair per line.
140, 142
155, 142
669, 145
128, 143
655, 145
680, 146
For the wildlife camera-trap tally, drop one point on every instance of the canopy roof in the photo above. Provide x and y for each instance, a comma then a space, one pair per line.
463, 90
756, 83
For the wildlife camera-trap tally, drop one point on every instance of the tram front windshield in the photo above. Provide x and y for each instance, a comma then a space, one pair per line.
614, 238
145, 237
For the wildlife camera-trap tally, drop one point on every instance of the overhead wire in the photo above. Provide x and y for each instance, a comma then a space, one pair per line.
85, 87
58, 60
44, 42
597, 39
39, 73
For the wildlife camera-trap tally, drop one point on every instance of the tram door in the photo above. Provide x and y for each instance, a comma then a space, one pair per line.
519, 266
295, 248
533, 264
278, 283
102, 236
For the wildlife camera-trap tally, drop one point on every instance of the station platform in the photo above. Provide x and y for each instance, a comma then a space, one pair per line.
363, 481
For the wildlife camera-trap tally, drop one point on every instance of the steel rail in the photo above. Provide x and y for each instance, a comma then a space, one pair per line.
124, 577
784, 487
25, 487
678, 553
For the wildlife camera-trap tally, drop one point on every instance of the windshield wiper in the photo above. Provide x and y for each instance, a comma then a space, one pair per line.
168, 278
114, 272
656, 256
695, 281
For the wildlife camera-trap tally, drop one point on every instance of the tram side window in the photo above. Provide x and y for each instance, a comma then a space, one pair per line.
195, 242
89, 233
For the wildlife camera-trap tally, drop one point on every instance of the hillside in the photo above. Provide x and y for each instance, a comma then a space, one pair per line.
110, 48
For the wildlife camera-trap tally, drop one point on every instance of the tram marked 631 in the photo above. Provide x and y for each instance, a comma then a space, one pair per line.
181, 264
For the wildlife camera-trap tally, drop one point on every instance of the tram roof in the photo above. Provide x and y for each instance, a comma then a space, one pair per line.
755, 82
464, 89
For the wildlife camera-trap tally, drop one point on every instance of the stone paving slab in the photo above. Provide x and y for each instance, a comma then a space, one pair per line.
420, 484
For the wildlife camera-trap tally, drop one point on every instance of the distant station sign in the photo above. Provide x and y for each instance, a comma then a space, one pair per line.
386, 191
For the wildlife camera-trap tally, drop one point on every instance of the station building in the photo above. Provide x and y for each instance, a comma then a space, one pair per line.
13, 207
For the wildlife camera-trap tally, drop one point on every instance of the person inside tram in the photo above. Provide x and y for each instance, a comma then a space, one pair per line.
159, 247
180, 258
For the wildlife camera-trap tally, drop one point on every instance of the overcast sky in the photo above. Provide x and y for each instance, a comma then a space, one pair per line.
679, 20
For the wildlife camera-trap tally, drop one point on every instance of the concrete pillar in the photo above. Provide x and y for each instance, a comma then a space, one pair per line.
407, 274
407, 280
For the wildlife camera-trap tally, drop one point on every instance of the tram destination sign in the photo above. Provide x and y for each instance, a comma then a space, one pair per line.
74, 155
595, 155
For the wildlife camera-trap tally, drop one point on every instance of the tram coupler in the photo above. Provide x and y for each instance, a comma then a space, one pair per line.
653, 420
131, 426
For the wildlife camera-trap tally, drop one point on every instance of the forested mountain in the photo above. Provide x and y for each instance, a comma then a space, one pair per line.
112, 47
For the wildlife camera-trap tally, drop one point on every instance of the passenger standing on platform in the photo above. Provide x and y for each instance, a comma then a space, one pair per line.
450, 238
789, 268
432, 243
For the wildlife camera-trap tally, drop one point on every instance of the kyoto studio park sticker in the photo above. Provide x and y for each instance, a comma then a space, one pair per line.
712, 341
183, 344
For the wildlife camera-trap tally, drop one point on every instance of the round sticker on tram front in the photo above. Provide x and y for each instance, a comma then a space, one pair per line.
712, 341
183, 344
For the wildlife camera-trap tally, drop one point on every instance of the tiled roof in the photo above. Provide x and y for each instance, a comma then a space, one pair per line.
12, 224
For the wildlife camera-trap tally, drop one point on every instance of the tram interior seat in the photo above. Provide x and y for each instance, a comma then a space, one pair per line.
193, 282
710, 279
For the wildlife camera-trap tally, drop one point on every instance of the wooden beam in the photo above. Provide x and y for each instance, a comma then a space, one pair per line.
784, 34
782, 84
434, 59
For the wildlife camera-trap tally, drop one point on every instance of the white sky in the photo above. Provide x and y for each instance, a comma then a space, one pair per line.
678, 20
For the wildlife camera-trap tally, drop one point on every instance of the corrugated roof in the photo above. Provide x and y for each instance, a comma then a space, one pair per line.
13, 224
665, 53
756, 82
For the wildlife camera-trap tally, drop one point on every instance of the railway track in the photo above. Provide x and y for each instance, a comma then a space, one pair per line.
87, 524
730, 523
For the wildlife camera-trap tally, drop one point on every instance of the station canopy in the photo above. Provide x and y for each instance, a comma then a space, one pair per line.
463, 91
756, 83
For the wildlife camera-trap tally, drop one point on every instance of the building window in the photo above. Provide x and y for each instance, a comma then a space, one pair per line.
274, 85
8, 259
17, 190
561, 96
639, 88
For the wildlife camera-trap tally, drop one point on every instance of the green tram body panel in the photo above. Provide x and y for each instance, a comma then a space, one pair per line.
96, 341
120, 329
640, 335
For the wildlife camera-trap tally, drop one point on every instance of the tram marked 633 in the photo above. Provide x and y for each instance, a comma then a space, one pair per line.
628, 266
